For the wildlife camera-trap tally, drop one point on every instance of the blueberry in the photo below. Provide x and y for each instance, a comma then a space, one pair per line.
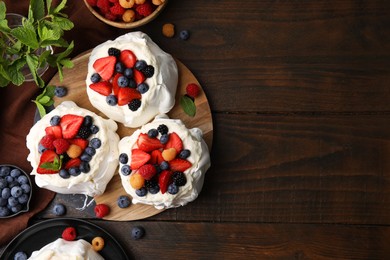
13, 201
95, 143
184, 35
41, 148
143, 88
87, 121
15, 173
128, 73
22, 179
6, 193
16, 208
154, 189
86, 157
23, 199
4, 171
119, 67
137, 232
90, 150
185, 153
9, 178
55, 120
3, 183
112, 100
60, 91
3, 202
164, 165
59, 209
164, 139
4, 211
123, 202
16, 191
126, 170
64, 174
152, 133
74, 171
123, 81
141, 192
123, 158
172, 189
132, 83
20, 256
26, 187
94, 129
84, 167
140, 65
95, 77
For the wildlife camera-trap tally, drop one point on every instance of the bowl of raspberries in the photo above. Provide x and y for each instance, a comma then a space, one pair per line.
15, 191
125, 14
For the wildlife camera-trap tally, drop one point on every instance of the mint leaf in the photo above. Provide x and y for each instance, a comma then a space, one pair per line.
47, 34
188, 106
14, 72
60, 7
37, 8
26, 34
64, 23
3, 10
67, 63
41, 108
44, 100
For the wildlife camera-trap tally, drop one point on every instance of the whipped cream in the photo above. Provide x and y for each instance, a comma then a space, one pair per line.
103, 163
66, 250
160, 98
200, 158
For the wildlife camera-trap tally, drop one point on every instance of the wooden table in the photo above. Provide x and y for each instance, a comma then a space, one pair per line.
299, 93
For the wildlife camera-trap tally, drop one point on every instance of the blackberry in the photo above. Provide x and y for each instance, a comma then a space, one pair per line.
134, 104
87, 121
152, 186
114, 52
162, 129
140, 65
84, 132
148, 71
179, 179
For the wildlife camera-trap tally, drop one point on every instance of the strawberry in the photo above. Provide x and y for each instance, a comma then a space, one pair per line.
115, 86
192, 90
101, 210
144, 9
105, 66
174, 142
156, 157
125, 95
49, 163
61, 145
128, 58
75, 162
102, 87
147, 171
54, 130
117, 9
139, 77
69, 234
179, 165
70, 125
138, 158
164, 179
47, 142
82, 143
147, 144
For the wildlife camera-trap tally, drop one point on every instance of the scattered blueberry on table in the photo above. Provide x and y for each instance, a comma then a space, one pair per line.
137, 232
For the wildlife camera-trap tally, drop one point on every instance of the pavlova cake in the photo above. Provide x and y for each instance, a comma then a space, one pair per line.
163, 163
73, 150
131, 80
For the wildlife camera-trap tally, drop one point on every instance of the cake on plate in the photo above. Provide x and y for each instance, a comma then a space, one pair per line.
73, 150
163, 163
131, 79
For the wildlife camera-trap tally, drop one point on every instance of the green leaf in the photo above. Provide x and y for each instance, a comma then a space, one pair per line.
14, 72
64, 23
47, 34
67, 63
3, 10
48, 6
43, 100
26, 34
37, 8
49, 91
41, 108
60, 7
32, 63
188, 106
4, 73
3, 81
65, 53
60, 72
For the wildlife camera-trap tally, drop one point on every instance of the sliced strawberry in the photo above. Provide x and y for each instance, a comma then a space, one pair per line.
128, 58
61, 145
147, 171
47, 142
54, 130
83, 143
138, 158
147, 144
70, 125
179, 165
164, 179
47, 163
174, 142
75, 162
105, 67
102, 87
115, 86
156, 157
125, 95
139, 77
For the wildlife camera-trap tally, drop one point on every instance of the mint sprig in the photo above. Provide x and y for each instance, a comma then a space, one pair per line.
188, 105
55, 165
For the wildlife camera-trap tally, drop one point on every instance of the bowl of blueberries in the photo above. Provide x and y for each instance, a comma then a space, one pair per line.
15, 191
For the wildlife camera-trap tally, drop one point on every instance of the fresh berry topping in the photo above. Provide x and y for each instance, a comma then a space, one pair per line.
123, 158
20, 255
164, 179
179, 179
184, 35
156, 157
162, 129
128, 72
82, 143
54, 130
114, 52
47, 142
147, 144
74, 171
87, 121
134, 104
164, 138
115, 85
61, 145
94, 129
123, 202
74, 151
103, 5
69, 234
74, 162
141, 192
184, 154
144, 9
70, 125
97, 243
147, 171
192, 90
105, 67
59, 209
148, 71
125, 95
128, 58
96, 143
64, 174
174, 142
173, 189
117, 9
164, 165
55, 120
169, 154
112, 100
143, 88
123, 81
85, 167
101, 210
84, 132
102, 87
179, 165
90, 150
140, 65
95, 77
139, 77
119, 67
137, 232
125, 170
60, 91
86, 157
138, 158
137, 181
49, 163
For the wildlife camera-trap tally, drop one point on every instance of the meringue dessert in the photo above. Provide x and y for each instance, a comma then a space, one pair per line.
67, 250
131, 80
73, 150
163, 163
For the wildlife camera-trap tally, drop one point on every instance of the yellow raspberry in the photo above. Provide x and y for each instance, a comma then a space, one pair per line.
168, 30
74, 151
137, 181
97, 243
169, 154
128, 16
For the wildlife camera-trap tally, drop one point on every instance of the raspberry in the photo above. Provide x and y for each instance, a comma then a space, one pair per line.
101, 210
92, 2
144, 9
117, 9
192, 90
47, 142
114, 1
104, 6
61, 145
147, 171
110, 16
69, 234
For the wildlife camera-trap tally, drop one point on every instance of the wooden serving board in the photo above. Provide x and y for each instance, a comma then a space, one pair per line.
74, 80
